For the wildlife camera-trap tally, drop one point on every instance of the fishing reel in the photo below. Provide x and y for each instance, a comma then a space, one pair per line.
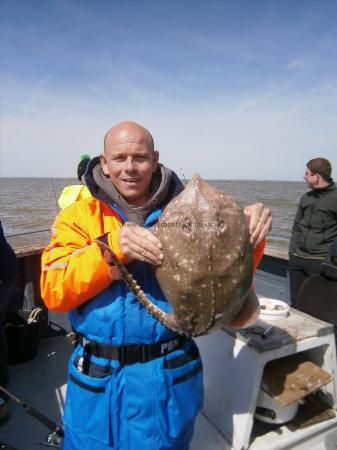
53, 439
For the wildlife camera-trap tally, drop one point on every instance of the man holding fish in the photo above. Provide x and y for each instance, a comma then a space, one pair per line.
132, 380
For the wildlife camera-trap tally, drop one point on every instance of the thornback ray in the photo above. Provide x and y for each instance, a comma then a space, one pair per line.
207, 270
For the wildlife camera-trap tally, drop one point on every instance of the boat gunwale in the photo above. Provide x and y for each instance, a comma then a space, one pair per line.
35, 249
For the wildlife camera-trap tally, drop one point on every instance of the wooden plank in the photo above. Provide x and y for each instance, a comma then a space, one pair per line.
289, 379
276, 253
29, 250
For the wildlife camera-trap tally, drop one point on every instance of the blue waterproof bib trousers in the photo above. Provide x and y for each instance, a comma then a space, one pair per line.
150, 405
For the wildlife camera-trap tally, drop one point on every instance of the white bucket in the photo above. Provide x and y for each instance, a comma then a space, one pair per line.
272, 309
270, 411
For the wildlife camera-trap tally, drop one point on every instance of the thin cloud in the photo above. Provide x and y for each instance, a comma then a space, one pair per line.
104, 96
330, 87
296, 64
248, 104
37, 90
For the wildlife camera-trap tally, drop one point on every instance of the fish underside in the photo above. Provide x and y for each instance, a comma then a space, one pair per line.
207, 269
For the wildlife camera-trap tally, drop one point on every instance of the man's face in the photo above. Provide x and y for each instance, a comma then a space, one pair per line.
129, 161
310, 178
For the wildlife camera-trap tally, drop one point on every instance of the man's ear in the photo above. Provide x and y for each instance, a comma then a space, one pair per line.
104, 164
155, 160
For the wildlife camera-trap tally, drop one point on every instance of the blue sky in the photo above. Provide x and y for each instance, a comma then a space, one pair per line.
230, 89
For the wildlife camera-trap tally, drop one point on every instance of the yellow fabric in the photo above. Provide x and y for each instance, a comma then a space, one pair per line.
73, 268
71, 194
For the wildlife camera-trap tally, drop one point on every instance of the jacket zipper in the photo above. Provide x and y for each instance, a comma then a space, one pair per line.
309, 227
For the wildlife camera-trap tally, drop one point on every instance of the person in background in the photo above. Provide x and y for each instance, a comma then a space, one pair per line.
315, 225
132, 381
82, 166
8, 269
76, 192
318, 293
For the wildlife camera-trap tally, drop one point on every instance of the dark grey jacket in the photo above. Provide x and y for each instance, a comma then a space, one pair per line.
315, 224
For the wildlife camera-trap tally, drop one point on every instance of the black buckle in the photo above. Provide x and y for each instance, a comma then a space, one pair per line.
133, 353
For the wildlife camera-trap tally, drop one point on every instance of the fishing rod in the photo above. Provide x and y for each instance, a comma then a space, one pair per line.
54, 438
181, 170
53, 185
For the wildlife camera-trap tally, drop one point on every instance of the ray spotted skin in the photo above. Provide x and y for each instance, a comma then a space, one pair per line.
207, 268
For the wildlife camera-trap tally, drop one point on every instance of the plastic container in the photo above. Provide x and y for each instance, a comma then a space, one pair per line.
270, 411
272, 309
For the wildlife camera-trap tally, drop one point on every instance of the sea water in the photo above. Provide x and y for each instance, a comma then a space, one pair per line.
28, 206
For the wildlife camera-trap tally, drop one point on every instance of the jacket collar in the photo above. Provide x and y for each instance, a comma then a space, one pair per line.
165, 185
330, 187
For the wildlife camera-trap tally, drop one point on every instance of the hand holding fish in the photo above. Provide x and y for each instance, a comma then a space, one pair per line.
137, 243
259, 222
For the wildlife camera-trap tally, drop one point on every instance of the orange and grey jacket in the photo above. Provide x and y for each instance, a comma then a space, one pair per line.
73, 269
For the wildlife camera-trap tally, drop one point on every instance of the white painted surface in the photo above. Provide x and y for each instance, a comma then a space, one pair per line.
233, 373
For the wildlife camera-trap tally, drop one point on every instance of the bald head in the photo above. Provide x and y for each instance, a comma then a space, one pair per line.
128, 131
129, 160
